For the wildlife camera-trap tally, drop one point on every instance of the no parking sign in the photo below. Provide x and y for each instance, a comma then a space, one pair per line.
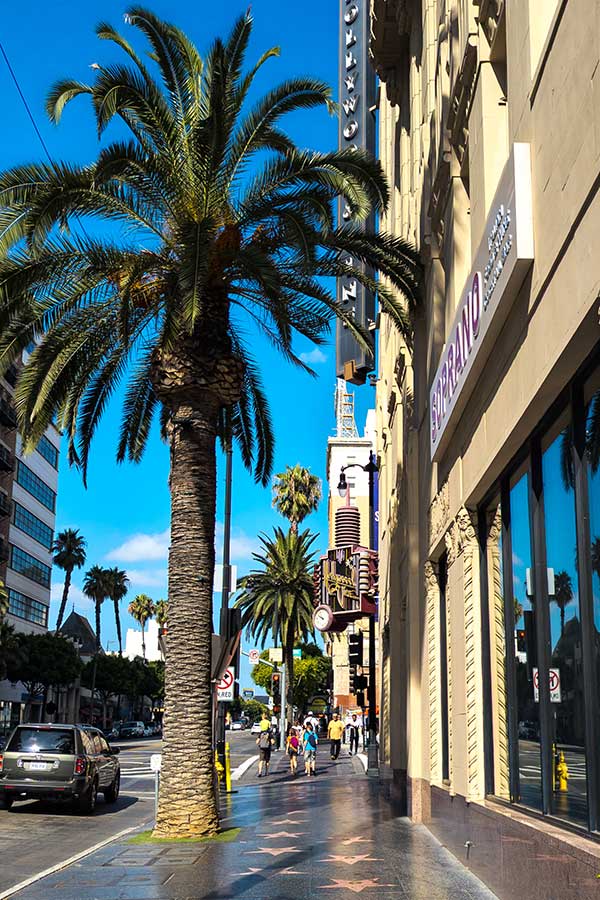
226, 685
554, 683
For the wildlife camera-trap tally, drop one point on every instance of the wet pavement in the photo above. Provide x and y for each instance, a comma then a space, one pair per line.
332, 836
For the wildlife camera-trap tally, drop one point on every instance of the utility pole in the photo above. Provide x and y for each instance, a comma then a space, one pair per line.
226, 585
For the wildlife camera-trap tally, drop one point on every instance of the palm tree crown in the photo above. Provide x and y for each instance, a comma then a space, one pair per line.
142, 608
68, 553
296, 493
96, 586
117, 584
215, 229
279, 595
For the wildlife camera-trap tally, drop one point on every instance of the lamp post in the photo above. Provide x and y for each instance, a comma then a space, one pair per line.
226, 584
370, 469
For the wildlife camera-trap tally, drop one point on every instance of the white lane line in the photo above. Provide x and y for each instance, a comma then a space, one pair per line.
69, 862
237, 773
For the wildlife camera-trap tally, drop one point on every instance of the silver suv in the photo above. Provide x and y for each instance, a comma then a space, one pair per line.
68, 762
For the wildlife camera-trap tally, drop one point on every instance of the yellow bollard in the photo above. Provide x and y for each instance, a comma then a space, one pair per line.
562, 773
227, 769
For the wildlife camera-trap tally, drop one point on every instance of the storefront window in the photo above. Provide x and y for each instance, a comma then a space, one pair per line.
567, 709
525, 649
593, 470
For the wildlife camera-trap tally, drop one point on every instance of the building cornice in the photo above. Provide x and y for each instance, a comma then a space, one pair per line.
390, 31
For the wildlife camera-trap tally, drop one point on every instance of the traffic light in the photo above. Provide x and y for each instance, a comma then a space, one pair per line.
361, 682
276, 686
355, 649
352, 679
360, 699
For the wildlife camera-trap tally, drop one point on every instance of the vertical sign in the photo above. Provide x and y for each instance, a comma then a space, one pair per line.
356, 129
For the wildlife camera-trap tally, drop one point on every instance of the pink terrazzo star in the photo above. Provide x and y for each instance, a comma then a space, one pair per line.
351, 860
288, 822
357, 887
278, 834
356, 840
274, 851
250, 871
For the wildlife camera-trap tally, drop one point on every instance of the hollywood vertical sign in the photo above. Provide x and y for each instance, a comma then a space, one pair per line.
356, 129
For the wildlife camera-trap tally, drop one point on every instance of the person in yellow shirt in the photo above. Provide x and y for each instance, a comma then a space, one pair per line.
265, 724
335, 731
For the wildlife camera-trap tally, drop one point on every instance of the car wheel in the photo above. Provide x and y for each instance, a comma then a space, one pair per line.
8, 801
87, 804
111, 794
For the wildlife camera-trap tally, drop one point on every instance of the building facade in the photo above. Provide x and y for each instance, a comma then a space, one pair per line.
28, 489
489, 434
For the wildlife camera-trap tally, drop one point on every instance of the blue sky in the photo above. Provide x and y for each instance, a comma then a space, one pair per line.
124, 513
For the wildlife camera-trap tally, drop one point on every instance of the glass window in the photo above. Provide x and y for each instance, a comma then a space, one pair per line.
36, 740
47, 449
31, 525
525, 649
35, 486
27, 608
25, 564
566, 660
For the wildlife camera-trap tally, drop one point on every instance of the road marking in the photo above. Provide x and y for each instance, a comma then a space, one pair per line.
69, 862
237, 773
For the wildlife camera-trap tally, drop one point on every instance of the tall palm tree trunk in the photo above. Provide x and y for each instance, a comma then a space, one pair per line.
64, 598
143, 641
118, 624
289, 674
95, 666
187, 804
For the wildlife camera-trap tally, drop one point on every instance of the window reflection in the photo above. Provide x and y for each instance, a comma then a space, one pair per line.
566, 673
593, 453
525, 650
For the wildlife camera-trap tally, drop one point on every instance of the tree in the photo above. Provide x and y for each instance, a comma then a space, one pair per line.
142, 609
563, 594
278, 598
215, 228
96, 587
296, 493
42, 661
117, 585
112, 678
68, 553
160, 611
8, 642
310, 677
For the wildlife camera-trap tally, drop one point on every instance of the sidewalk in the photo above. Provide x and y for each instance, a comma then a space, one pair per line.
331, 837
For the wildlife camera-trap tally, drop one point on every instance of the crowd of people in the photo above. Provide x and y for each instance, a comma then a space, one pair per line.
303, 739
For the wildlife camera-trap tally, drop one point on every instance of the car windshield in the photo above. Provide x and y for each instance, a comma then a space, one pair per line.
38, 740
129, 725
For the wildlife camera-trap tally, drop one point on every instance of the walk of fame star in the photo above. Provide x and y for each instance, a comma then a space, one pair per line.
250, 871
357, 887
274, 851
278, 834
356, 840
352, 860
288, 822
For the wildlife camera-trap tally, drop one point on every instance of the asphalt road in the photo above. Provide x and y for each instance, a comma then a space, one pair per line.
36, 835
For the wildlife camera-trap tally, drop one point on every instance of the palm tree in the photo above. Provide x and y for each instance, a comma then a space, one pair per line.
142, 608
161, 608
296, 493
69, 553
96, 586
278, 598
216, 229
563, 594
117, 584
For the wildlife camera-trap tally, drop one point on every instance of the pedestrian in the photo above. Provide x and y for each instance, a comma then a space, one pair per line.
264, 743
264, 722
334, 733
310, 743
353, 729
293, 748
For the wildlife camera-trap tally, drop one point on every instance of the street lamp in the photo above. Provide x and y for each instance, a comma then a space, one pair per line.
370, 469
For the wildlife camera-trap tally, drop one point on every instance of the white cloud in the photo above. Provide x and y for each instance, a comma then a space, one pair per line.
242, 544
313, 356
142, 547
76, 596
148, 577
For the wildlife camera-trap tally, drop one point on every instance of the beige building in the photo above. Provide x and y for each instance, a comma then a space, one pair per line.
489, 435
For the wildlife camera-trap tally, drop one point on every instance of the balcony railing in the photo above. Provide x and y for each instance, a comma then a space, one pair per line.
7, 460
8, 417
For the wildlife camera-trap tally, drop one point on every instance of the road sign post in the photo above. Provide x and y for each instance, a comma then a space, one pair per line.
225, 687
253, 657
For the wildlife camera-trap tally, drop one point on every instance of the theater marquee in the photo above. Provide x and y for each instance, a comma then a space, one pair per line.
501, 263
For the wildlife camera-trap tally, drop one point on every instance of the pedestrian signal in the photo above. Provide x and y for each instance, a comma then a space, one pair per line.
355, 649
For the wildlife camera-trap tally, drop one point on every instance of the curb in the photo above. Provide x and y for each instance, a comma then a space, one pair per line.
239, 771
68, 862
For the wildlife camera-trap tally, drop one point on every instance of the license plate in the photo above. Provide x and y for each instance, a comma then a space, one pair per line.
36, 766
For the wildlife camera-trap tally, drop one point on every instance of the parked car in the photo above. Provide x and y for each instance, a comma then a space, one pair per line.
237, 726
131, 729
66, 762
255, 728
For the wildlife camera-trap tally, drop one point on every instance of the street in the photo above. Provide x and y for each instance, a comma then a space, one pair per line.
57, 834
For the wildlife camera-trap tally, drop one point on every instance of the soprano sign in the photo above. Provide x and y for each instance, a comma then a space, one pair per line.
501, 262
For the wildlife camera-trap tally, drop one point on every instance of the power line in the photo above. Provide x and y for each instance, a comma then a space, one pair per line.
25, 103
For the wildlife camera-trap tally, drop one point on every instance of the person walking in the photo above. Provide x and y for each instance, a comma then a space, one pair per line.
353, 730
264, 722
264, 743
334, 733
293, 748
310, 743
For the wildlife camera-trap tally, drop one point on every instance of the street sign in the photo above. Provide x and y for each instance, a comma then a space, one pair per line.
253, 657
156, 762
226, 685
297, 653
554, 682
276, 654
248, 693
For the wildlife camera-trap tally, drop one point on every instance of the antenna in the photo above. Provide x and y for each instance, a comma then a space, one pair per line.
344, 411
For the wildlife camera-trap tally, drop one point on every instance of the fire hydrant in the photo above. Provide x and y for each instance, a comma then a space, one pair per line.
562, 772
219, 767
